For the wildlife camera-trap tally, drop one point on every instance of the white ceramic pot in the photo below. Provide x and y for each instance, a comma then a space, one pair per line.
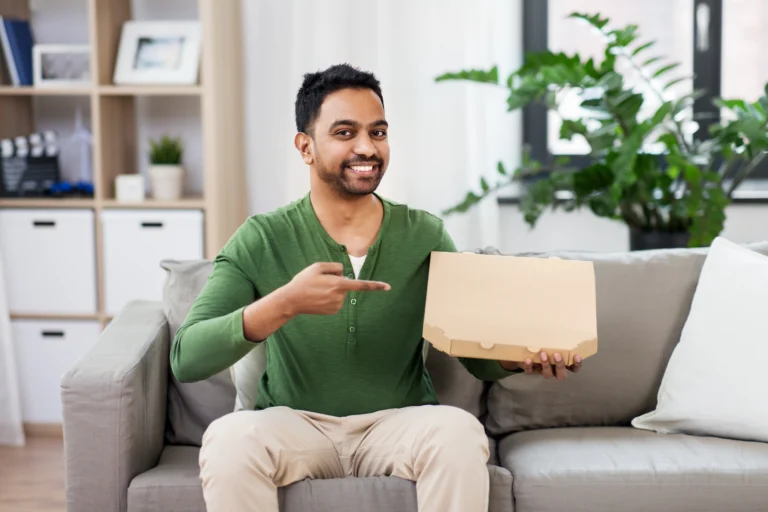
166, 181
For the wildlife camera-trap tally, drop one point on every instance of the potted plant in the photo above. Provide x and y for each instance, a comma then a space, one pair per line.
166, 173
672, 197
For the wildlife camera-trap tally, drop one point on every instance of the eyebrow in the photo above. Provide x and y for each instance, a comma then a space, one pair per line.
349, 122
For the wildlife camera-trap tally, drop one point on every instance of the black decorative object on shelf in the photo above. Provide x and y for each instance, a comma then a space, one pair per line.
29, 166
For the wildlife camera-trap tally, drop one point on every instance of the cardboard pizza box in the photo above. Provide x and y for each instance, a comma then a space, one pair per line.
510, 308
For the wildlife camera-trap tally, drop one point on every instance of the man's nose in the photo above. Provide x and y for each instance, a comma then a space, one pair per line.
364, 146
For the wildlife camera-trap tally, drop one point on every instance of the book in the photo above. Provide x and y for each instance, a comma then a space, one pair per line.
5, 45
17, 41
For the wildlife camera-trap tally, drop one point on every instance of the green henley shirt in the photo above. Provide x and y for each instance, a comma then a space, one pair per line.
365, 358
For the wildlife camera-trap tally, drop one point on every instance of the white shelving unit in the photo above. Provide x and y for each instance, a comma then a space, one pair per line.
73, 262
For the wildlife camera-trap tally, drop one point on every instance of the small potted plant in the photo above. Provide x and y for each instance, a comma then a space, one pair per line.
166, 174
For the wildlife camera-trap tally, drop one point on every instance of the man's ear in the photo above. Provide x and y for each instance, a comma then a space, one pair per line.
303, 143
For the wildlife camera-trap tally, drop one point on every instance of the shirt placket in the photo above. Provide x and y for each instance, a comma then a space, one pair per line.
351, 310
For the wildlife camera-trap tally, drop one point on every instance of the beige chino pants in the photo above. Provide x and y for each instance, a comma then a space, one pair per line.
247, 455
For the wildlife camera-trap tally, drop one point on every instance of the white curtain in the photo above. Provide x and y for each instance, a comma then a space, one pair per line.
443, 136
11, 428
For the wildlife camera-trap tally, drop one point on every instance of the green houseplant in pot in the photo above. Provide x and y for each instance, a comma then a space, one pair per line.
646, 171
166, 173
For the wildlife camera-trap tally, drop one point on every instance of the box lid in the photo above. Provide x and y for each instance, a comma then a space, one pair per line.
510, 308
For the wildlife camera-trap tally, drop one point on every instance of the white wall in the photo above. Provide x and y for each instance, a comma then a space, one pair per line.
442, 136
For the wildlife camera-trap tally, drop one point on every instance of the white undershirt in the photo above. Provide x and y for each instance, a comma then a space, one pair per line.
357, 263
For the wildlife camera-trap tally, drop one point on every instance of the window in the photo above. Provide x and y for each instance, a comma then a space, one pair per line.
719, 42
745, 38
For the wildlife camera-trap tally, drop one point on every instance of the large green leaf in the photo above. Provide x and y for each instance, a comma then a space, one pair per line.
596, 177
731, 104
474, 75
643, 47
650, 61
595, 20
661, 113
665, 69
627, 110
676, 81
623, 166
569, 128
624, 37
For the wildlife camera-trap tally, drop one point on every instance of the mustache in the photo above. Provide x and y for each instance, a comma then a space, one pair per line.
362, 160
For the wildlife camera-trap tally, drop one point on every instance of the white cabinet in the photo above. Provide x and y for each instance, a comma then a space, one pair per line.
45, 350
50, 260
135, 242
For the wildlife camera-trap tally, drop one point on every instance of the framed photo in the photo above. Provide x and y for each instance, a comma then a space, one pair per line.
158, 52
58, 65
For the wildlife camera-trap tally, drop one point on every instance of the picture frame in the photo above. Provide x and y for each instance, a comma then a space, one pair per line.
61, 65
158, 53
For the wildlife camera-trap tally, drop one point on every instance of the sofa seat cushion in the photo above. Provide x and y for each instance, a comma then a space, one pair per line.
174, 485
622, 469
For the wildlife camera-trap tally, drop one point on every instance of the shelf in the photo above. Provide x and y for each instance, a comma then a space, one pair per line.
41, 202
53, 316
150, 204
150, 90
8, 90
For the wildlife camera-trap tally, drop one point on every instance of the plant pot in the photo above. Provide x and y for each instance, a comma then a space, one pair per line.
166, 181
645, 240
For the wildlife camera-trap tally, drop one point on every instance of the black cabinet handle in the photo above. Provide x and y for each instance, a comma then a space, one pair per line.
44, 223
151, 224
53, 334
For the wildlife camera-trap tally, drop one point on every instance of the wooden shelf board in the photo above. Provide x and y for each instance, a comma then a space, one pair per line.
53, 316
150, 90
41, 202
9, 90
150, 204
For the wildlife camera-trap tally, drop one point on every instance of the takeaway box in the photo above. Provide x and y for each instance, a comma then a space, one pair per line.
510, 308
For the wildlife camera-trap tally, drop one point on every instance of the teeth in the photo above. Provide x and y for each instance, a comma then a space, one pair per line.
362, 168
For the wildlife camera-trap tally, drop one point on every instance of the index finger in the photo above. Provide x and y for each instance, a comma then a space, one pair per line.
330, 268
357, 285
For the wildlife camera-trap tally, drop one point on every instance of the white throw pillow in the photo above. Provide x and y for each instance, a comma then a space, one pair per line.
715, 383
246, 374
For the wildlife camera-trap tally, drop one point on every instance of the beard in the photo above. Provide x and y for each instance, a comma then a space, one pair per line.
347, 183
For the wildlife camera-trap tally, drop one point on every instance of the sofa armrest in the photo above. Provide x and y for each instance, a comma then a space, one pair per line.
114, 405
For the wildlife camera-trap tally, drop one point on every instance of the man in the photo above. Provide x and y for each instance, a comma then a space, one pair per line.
335, 285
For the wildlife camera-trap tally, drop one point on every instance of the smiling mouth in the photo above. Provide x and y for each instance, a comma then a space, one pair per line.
364, 170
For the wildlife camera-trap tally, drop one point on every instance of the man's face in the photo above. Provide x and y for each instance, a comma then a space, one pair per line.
351, 150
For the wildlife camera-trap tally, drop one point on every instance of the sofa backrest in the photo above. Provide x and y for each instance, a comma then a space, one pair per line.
193, 406
643, 300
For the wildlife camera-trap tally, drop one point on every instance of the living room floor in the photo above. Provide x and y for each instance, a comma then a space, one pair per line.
32, 477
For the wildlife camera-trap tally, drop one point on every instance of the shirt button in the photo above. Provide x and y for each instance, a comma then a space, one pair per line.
353, 301
351, 276
352, 329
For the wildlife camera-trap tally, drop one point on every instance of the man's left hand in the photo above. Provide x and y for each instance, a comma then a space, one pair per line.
547, 369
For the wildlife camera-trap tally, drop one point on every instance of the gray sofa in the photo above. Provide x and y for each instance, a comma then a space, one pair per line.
132, 433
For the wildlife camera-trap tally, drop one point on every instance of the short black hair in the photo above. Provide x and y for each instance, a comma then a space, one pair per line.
317, 86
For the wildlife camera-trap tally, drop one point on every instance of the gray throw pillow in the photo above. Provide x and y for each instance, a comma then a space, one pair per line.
191, 406
643, 300
453, 383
